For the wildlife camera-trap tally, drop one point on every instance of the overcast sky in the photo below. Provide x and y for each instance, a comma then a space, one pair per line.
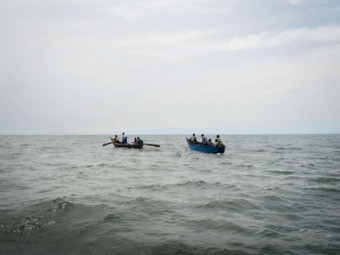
169, 66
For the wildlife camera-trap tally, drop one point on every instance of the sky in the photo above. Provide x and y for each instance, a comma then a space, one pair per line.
169, 66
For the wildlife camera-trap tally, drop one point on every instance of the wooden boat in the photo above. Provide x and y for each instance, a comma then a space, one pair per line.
205, 147
128, 145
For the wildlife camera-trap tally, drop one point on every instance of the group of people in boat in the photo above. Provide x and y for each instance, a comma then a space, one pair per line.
193, 139
207, 141
124, 140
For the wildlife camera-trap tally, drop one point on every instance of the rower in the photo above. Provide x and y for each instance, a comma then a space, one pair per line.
139, 141
116, 139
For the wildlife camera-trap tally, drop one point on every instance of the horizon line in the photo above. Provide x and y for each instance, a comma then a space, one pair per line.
169, 134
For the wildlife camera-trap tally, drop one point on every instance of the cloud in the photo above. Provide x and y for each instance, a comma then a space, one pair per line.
71, 64
295, 2
139, 10
190, 44
300, 36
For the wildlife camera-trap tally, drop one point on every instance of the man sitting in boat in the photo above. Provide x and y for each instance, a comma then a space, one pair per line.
193, 139
116, 139
218, 141
204, 139
124, 139
139, 141
210, 142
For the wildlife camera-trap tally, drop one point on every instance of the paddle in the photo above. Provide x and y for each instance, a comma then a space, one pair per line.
107, 143
151, 144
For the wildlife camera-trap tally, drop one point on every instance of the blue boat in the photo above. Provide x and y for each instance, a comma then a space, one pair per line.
205, 147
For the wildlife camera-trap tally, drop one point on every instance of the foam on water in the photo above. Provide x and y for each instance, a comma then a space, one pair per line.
265, 195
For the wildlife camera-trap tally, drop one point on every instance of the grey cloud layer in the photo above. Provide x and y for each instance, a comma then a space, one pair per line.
78, 66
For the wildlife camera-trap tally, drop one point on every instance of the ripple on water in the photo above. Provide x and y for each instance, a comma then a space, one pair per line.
282, 172
324, 179
234, 205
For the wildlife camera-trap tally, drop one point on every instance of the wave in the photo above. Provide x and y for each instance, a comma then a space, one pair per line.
325, 179
92, 165
246, 165
198, 183
59, 215
293, 148
16, 154
235, 205
154, 187
308, 165
336, 159
111, 218
172, 247
5, 185
219, 225
325, 189
283, 172
226, 162
193, 184
50, 148
32, 219
147, 206
55, 164
257, 150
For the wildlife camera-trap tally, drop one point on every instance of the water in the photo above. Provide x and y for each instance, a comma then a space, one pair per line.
268, 194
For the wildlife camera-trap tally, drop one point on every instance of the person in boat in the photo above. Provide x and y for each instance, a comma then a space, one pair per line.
193, 139
218, 141
204, 139
116, 139
139, 141
124, 139
210, 142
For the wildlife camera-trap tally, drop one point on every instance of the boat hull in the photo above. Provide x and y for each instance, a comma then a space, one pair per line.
129, 146
205, 148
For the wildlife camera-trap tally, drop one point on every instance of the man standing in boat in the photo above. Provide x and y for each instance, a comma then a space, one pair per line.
124, 139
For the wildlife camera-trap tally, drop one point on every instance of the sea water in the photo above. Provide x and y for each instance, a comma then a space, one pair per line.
268, 194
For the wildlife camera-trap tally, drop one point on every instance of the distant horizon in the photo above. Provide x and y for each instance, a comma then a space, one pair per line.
169, 134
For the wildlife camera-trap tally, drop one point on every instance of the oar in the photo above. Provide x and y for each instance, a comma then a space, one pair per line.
107, 143
151, 144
